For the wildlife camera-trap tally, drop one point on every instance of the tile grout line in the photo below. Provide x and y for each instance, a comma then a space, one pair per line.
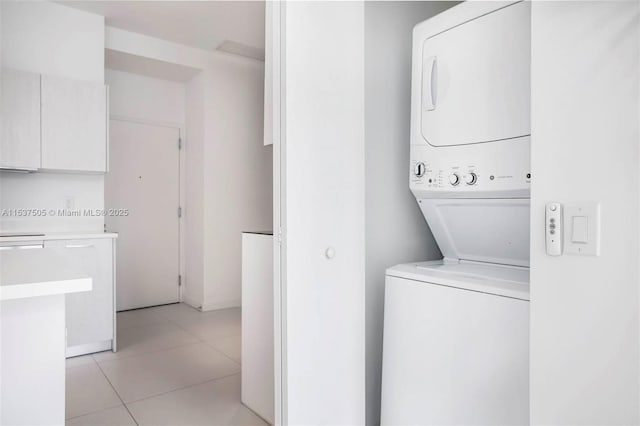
143, 353
208, 345
222, 353
118, 395
182, 388
179, 326
201, 340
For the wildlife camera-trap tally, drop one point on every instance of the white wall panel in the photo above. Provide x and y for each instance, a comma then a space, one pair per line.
324, 298
585, 358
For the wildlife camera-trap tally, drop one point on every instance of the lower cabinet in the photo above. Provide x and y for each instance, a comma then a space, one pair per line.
257, 324
90, 316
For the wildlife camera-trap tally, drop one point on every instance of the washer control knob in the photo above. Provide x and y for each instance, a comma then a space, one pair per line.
454, 179
471, 179
419, 169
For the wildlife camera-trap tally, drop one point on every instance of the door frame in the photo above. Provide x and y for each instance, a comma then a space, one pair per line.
278, 20
181, 183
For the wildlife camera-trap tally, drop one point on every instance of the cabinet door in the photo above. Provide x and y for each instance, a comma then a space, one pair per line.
20, 143
74, 125
90, 314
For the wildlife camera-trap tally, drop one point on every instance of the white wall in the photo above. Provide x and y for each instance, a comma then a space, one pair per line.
238, 193
396, 231
585, 359
323, 207
145, 98
52, 39
193, 292
48, 38
51, 191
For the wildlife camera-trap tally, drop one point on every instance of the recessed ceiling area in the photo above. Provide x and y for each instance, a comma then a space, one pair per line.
201, 24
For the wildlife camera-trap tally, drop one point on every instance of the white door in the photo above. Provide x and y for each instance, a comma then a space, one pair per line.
144, 178
320, 362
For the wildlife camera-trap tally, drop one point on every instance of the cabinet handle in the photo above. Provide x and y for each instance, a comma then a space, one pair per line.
18, 169
78, 245
22, 247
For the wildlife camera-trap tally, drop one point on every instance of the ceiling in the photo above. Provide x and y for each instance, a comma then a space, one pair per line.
201, 24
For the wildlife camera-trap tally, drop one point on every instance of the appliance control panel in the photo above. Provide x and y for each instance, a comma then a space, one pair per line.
492, 170
424, 174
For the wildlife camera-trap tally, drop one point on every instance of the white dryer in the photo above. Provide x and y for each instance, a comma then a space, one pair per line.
456, 331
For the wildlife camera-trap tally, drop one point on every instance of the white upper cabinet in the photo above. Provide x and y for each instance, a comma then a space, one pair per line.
74, 125
20, 143
475, 79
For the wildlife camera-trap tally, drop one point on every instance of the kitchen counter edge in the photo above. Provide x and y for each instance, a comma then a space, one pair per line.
59, 236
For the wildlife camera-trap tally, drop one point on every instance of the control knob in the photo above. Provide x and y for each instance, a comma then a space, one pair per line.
471, 178
419, 169
454, 179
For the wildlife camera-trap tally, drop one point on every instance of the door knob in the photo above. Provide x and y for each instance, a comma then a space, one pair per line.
330, 252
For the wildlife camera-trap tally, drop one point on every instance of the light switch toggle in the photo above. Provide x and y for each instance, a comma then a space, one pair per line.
580, 230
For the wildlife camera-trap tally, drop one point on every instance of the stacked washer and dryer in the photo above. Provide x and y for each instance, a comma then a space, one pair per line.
456, 330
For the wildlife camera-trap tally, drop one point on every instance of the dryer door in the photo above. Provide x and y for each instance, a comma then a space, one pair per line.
476, 79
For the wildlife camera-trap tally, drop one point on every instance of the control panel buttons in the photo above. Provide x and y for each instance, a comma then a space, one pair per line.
454, 179
471, 179
553, 234
419, 169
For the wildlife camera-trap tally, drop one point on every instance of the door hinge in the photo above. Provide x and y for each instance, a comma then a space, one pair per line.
179, 211
179, 280
179, 143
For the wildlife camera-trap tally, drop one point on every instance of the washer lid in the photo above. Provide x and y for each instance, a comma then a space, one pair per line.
501, 280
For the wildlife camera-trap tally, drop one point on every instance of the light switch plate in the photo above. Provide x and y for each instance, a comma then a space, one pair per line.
582, 229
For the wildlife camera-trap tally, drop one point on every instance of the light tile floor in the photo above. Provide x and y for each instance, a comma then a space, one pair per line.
174, 366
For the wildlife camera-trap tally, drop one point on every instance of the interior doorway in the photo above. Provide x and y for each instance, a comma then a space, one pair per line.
144, 181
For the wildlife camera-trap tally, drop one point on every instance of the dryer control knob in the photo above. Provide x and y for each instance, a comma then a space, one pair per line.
454, 179
419, 169
471, 179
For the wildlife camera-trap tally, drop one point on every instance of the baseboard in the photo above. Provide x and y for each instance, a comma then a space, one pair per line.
192, 302
89, 348
236, 303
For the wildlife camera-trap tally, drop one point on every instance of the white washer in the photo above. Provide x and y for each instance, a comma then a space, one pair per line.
456, 331
456, 345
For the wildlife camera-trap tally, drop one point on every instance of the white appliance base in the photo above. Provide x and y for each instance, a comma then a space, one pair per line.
454, 356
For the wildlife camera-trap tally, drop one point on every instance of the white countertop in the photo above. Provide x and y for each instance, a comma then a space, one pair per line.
59, 236
38, 272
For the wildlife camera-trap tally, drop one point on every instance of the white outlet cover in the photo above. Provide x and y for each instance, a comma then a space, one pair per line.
585, 242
